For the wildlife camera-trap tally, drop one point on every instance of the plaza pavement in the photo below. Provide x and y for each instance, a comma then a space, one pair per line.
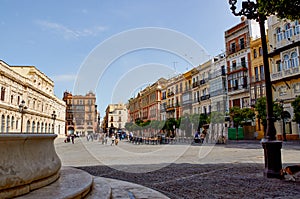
84, 153
178, 171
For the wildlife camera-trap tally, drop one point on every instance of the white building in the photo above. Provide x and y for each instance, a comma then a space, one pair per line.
116, 117
29, 85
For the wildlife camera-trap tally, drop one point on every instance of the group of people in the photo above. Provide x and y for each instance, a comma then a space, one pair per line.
199, 137
105, 137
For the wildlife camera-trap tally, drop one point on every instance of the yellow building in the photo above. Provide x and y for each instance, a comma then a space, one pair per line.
284, 43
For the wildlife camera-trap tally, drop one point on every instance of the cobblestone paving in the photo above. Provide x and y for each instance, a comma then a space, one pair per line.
234, 170
207, 181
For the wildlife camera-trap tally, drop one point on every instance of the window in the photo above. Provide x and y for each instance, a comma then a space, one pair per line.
294, 60
278, 66
12, 122
33, 127
28, 126
7, 123
232, 47
243, 62
262, 72
256, 74
278, 34
297, 28
38, 127
286, 62
242, 43
2, 93
288, 31
254, 53
11, 99
2, 123
260, 51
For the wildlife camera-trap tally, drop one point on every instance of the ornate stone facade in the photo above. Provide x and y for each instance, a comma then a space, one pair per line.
28, 84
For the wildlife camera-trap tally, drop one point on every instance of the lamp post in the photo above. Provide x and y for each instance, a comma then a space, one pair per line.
270, 145
283, 121
53, 116
22, 109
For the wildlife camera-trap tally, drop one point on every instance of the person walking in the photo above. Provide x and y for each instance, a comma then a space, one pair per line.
72, 138
113, 139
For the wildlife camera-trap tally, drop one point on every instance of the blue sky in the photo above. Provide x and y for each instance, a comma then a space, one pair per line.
59, 36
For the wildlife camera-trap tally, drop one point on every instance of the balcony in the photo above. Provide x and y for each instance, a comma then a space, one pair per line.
205, 97
196, 100
257, 78
195, 84
218, 92
238, 89
187, 102
202, 81
238, 67
170, 107
236, 48
285, 73
171, 93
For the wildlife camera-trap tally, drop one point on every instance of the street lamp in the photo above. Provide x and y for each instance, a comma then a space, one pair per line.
283, 121
53, 116
22, 109
271, 146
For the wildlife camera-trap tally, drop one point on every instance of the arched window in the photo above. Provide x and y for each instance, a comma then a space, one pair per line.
27, 126
296, 28
7, 123
38, 127
260, 51
288, 31
33, 127
12, 124
45, 127
2, 123
294, 60
278, 34
254, 53
286, 62
42, 128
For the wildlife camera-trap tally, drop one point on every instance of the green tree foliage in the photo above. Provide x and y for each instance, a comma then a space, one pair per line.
289, 9
296, 107
240, 116
261, 109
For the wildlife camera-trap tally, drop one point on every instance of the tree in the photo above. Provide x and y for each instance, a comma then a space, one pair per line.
260, 108
240, 116
289, 9
216, 118
296, 107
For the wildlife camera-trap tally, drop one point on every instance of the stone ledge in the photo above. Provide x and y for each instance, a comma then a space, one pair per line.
28, 162
73, 183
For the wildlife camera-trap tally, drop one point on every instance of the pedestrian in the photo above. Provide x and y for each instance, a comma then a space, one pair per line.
204, 135
117, 140
72, 138
113, 139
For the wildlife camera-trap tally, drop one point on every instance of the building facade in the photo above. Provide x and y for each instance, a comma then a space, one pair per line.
237, 42
146, 105
82, 116
218, 84
42, 111
284, 43
116, 116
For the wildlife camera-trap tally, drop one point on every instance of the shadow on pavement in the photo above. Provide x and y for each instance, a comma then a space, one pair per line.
244, 180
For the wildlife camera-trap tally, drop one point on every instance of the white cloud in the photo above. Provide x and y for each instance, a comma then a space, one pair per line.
69, 33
